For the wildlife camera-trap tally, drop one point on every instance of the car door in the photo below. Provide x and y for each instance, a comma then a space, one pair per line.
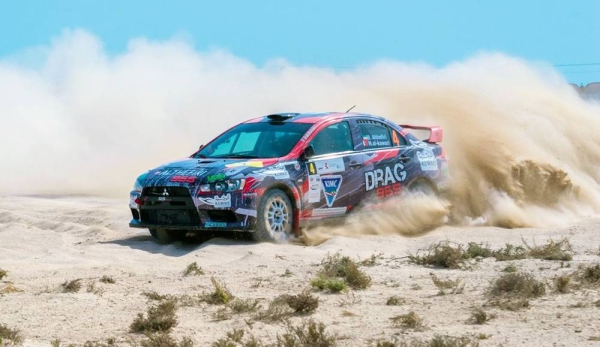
387, 159
335, 173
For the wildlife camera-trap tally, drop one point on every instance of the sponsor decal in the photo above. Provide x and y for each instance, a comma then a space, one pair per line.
389, 190
223, 201
314, 188
297, 166
327, 166
183, 179
246, 163
376, 140
427, 160
331, 186
319, 212
312, 169
426, 157
180, 172
234, 171
215, 225
277, 171
216, 177
384, 175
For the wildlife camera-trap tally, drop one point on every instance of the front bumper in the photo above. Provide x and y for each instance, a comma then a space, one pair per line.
183, 212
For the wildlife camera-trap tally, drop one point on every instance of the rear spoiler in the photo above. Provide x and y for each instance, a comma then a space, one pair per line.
435, 132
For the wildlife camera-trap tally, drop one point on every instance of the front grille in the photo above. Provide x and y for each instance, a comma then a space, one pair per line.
174, 208
170, 191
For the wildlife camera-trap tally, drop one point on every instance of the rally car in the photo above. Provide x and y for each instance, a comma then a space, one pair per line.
271, 175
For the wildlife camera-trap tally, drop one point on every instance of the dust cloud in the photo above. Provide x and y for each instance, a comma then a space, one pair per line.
523, 147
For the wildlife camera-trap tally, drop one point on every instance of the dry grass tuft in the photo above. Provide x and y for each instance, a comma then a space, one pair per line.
107, 280
395, 301
10, 336
444, 254
408, 321
91, 288
303, 302
3, 274
163, 339
308, 334
244, 306
510, 268
455, 286
193, 270
372, 260
160, 318
562, 283
277, 311
220, 296
479, 316
155, 296
338, 272
552, 250
71, 286
510, 304
591, 274
235, 338
517, 285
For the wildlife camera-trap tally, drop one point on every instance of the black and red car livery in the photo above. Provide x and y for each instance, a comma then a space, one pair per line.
272, 174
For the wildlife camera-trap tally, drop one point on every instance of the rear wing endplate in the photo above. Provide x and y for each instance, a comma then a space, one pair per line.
436, 133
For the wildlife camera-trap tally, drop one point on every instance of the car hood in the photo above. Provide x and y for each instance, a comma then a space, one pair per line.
191, 171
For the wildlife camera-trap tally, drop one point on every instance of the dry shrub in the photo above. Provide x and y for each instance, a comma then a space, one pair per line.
308, 334
71, 286
444, 254
160, 318
436, 341
155, 296
3, 273
243, 306
91, 288
591, 274
303, 302
510, 304
552, 250
235, 338
510, 268
372, 260
10, 336
107, 280
409, 321
339, 272
163, 339
455, 286
395, 301
278, 310
109, 343
479, 316
562, 283
220, 296
517, 285
193, 270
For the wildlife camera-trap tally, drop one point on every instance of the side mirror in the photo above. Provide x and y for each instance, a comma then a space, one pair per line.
307, 153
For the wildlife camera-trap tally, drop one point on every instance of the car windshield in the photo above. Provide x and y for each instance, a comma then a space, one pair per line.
255, 140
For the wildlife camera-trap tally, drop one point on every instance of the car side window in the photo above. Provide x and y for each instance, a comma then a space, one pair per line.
333, 139
376, 135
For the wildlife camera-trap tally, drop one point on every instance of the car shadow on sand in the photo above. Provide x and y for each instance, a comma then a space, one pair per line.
191, 243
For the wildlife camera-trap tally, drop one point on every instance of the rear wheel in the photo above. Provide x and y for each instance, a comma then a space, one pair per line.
275, 220
163, 236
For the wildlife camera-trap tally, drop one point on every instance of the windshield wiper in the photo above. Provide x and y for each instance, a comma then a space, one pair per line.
240, 156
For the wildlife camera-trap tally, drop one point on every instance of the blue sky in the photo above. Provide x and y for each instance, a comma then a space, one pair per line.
335, 33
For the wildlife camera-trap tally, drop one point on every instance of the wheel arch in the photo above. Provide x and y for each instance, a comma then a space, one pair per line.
292, 192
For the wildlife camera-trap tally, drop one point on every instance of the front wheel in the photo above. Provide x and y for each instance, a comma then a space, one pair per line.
275, 220
163, 236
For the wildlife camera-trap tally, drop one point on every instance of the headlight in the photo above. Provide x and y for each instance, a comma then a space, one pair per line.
224, 186
137, 186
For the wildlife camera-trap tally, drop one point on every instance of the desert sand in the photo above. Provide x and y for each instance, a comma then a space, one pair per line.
45, 241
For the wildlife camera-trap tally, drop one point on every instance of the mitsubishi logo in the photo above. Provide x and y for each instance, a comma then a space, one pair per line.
165, 192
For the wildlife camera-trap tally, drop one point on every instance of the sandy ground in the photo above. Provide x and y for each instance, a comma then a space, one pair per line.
47, 241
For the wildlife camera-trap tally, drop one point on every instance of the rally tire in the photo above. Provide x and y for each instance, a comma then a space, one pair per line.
275, 218
163, 236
